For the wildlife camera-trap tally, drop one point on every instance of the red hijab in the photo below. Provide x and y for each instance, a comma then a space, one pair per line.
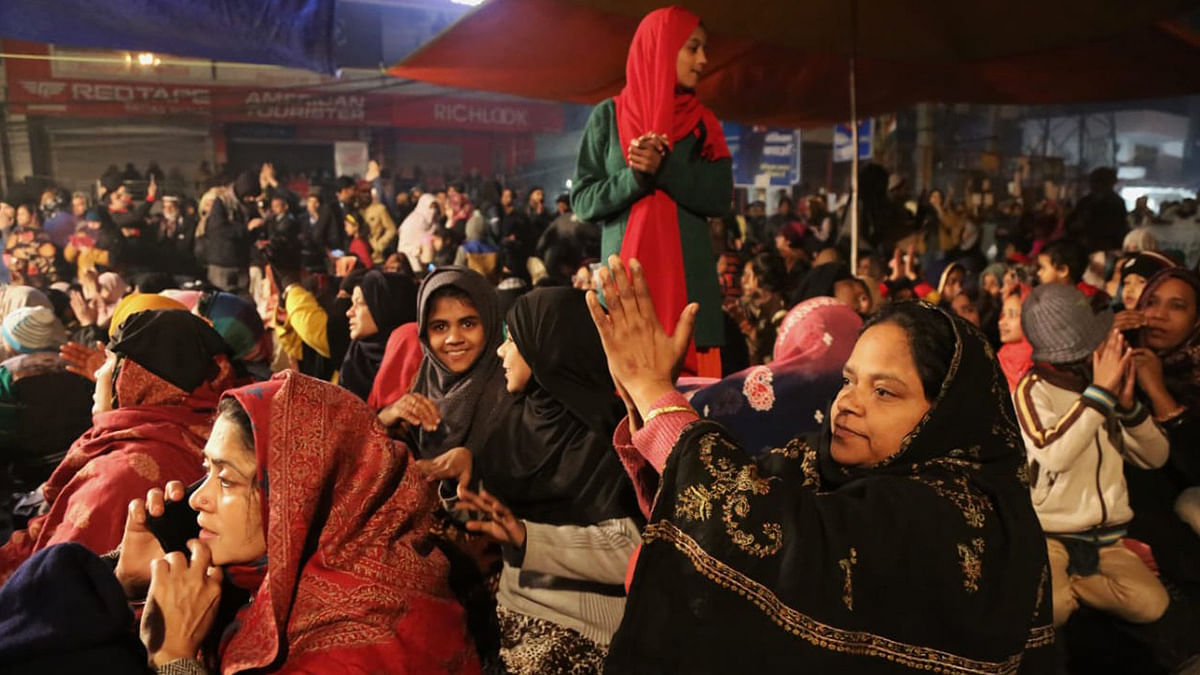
353, 581
401, 361
651, 102
156, 435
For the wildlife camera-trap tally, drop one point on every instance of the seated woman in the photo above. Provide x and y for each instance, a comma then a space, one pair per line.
381, 303
1166, 501
901, 538
155, 396
557, 498
237, 321
459, 387
762, 307
43, 406
347, 579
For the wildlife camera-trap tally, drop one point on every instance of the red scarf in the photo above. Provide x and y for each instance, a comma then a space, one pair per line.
650, 103
401, 361
353, 583
157, 435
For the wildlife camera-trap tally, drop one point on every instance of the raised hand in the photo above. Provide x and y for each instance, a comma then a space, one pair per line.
641, 356
81, 359
1110, 363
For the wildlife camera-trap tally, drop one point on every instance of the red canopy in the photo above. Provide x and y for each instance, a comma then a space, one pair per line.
783, 62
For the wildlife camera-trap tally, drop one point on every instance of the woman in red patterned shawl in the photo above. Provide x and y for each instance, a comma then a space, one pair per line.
155, 398
313, 511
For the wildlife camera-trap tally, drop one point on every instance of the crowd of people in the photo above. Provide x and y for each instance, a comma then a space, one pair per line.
635, 430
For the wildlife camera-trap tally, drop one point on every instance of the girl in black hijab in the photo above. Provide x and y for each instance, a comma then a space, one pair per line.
388, 301
558, 498
459, 388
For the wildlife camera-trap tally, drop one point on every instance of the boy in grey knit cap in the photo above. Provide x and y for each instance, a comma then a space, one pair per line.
1080, 421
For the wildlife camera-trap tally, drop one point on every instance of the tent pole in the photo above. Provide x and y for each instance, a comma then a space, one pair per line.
853, 139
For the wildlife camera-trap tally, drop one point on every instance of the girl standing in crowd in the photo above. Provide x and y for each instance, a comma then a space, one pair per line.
555, 495
792, 563
313, 553
382, 302
155, 396
653, 166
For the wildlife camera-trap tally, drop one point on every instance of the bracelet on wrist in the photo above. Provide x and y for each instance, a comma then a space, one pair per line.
666, 410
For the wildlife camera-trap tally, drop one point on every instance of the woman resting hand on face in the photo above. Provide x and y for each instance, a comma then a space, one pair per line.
900, 537
346, 581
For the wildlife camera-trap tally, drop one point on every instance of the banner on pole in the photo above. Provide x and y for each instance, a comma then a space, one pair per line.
843, 141
763, 156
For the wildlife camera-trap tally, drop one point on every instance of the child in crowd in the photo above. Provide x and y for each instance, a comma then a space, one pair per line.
1079, 419
1064, 262
1015, 354
1135, 273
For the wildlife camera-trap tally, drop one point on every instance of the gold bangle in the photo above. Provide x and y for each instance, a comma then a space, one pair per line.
665, 410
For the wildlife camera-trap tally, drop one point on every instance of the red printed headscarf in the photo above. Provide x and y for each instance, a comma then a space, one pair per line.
650, 102
156, 435
353, 582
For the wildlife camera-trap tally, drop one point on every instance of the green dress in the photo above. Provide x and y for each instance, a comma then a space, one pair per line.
605, 189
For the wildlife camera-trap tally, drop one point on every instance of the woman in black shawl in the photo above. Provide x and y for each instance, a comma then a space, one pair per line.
460, 384
381, 304
557, 496
900, 538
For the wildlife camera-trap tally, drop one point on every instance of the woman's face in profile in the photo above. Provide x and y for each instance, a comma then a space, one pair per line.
689, 66
227, 503
881, 399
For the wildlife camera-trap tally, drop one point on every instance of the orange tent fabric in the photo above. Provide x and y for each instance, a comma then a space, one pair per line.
785, 63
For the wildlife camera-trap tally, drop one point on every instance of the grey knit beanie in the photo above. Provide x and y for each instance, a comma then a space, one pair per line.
1062, 326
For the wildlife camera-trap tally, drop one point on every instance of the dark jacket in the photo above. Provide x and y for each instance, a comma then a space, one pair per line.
331, 228
227, 242
176, 243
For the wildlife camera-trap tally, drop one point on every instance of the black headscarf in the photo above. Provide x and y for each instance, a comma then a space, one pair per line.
392, 299
462, 398
550, 459
931, 560
174, 344
337, 324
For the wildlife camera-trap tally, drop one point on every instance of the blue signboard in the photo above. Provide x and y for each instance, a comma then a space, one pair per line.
763, 156
842, 141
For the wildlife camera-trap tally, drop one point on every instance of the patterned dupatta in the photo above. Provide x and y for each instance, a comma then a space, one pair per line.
931, 560
156, 435
354, 583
